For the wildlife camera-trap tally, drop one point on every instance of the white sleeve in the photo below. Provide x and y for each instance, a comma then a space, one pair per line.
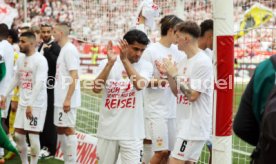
40, 80
147, 55
14, 83
147, 71
201, 78
72, 60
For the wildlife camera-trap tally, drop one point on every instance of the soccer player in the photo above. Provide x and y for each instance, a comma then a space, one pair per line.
160, 103
6, 65
67, 96
50, 50
31, 76
194, 76
121, 124
205, 42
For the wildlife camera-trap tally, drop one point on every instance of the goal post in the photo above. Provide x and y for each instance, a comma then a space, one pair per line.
224, 72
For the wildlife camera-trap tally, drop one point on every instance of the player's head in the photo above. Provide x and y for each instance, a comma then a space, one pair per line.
4, 31
36, 31
27, 42
138, 42
46, 32
168, 24
206, 35
187, 34
13, 36
61, 31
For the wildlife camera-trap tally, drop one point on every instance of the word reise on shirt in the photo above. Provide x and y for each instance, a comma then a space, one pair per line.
120, 95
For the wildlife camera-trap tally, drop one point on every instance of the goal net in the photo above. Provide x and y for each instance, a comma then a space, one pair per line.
97, 21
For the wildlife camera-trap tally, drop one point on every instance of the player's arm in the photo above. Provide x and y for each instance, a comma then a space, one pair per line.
138, 81
186, 89
173, 85
100, 81
74, 78
174, 82
8, 90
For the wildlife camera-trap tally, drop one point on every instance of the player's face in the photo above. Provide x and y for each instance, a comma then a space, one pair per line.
135, 52
56, 34
46, 34
182, 40
172, 35
209, 39
25, 44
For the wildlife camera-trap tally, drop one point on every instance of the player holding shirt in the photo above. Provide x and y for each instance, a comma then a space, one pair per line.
31, 77
194, 75
121, 128
66, 93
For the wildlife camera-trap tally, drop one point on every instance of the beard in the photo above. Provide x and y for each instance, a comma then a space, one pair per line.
46, 40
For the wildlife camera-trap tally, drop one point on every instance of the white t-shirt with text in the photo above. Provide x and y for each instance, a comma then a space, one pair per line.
121, 112
30, 70
194, 118
160, 102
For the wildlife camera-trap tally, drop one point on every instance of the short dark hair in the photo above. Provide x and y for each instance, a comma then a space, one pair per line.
14, 35
4, 30
189, 27
206, 25
138, 36
28, 34
46, 25
167, 22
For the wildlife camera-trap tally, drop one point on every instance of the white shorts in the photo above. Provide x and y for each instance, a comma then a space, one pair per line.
131, 151
187, 150
5, 112
35, 124
62, 119
162, 133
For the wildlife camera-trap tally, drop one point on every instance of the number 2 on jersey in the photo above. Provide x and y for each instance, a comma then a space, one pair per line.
60, 115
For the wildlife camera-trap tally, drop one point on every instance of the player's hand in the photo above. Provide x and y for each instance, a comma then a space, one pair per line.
29, 113
123, 45
66, 106
3, 102
170, 67
111, 56
14, 105
160, 67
